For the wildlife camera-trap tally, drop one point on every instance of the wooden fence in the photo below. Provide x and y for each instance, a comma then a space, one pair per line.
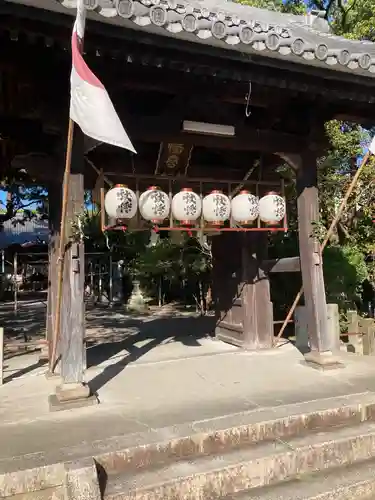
361, 333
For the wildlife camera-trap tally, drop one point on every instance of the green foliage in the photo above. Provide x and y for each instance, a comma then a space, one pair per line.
177, 266
347, 140
345, 271
346, 259
345, 263
161, 260
290, 6
354, 19
336, 171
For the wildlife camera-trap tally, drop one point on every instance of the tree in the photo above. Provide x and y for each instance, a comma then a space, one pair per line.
22, 196
353, 19
181, 269
290, 6
335, 173
348, 259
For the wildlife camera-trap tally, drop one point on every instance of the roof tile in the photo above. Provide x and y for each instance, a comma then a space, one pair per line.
303, 39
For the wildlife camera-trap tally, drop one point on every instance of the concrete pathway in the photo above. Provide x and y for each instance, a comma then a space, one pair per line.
154, 384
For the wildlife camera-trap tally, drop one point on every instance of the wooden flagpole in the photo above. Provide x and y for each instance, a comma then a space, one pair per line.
61, 256
326, 239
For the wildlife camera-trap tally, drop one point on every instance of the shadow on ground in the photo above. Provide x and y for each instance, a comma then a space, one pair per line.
24, 371
25, 324
187, 330
109, 333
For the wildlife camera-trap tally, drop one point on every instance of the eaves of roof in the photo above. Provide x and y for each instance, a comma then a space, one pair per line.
300, 39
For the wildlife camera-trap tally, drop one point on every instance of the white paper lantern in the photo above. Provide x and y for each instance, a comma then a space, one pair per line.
245, 208
120, 202
271, 208
216, 208
186, 206
154, 205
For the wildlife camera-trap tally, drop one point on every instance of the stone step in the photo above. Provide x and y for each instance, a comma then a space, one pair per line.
250, 434
239, 470
219, 435
74, 480
32, 484
344, 483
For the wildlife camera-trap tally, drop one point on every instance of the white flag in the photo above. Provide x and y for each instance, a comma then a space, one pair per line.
90, 106
372, 146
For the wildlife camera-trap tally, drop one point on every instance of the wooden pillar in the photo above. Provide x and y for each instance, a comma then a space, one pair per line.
226, 253
54, 214
241, 290
73, 392
310, 257
256, 296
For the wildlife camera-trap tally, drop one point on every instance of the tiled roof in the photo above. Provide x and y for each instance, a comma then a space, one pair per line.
302, 39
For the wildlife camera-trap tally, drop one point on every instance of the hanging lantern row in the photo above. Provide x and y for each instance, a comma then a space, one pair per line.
187, 206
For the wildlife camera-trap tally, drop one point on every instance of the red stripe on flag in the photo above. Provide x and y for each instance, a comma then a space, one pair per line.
81, 67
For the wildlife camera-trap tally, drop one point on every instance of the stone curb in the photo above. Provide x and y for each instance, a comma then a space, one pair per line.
48, 477
239, 471
344, 483
217, 436
199, 439
77, 480
357, 408
81, 481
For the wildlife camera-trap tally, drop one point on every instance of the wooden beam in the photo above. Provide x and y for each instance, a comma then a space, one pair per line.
197, 180
207, 88
246, 138
155, 129
285, 265
348, 117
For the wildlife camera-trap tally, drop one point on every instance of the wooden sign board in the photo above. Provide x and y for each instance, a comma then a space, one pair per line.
174, 159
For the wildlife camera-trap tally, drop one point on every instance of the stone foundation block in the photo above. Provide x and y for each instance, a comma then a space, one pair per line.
82, 482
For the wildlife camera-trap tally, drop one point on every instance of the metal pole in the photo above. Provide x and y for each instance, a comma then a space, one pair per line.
91, 279
110, 279
100, 282
3, 261
15, 285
